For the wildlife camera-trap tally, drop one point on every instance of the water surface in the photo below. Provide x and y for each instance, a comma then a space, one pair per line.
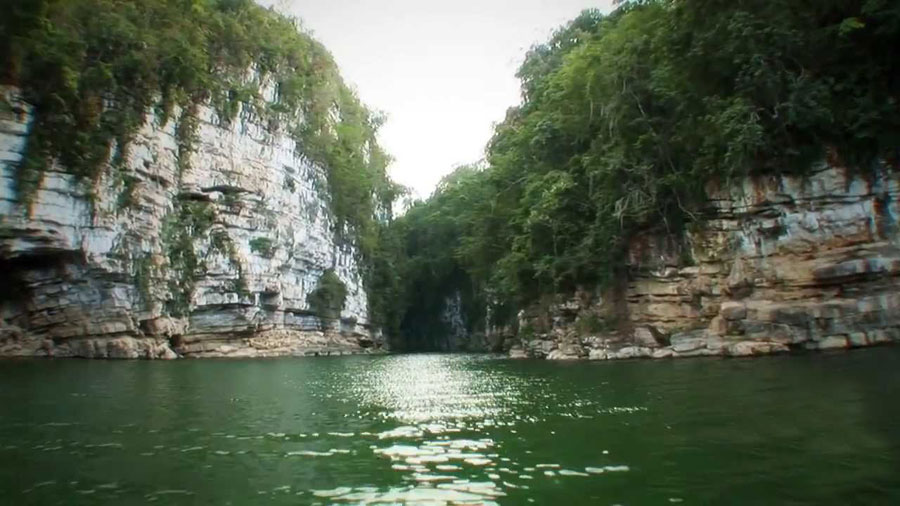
811, 429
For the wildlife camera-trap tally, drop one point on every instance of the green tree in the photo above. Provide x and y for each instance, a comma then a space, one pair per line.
327, 300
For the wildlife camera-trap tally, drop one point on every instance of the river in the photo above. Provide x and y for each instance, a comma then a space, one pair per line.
806, 429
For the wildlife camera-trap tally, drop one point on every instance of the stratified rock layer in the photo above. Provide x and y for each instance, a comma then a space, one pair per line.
777, 263
153, 261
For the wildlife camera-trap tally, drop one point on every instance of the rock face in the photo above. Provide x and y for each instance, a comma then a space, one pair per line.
458, 337
776, 263
159, 260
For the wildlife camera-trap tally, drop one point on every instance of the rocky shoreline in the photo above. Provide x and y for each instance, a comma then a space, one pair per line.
688, 347
775, 264
264, 344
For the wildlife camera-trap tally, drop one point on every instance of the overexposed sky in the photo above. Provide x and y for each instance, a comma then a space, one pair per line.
442, 71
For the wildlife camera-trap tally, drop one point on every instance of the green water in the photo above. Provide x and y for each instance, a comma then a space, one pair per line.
812, 429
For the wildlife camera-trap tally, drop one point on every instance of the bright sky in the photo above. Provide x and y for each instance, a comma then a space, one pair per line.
443, 71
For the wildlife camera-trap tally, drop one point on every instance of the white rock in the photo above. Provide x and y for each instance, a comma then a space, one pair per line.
260, 189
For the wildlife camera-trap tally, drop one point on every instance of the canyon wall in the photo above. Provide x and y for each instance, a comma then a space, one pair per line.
160, 259
775, 263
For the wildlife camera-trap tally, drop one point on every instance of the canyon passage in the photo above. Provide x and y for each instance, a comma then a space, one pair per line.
191, 192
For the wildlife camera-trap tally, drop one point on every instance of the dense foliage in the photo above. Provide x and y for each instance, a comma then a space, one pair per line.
625, 118
327, 300
94, 68
422, 246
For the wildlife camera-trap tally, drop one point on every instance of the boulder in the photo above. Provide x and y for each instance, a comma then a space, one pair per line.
632, 352
517, 352
750, 348
663, 353
732, 310
122, 348
858, 339
598, 354
832, 343
647, 336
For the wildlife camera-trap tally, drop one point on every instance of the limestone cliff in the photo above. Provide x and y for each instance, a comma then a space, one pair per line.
774, 264
156, 261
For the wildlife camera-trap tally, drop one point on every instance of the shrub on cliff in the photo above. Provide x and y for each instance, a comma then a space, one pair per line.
327, 300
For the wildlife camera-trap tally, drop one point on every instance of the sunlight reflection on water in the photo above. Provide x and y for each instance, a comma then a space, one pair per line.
430, 389
438, 407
